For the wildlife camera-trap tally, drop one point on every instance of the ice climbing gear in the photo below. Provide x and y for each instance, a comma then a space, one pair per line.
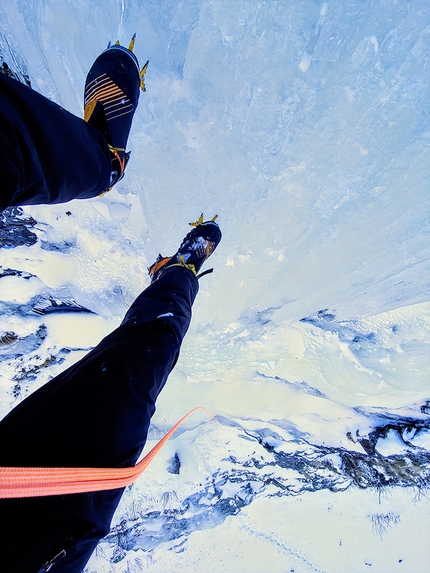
111, 97
197, 246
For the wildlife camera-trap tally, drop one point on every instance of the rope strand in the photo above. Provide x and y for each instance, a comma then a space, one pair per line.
34, 482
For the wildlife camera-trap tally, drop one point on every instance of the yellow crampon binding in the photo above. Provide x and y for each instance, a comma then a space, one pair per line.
122, 164
182, 263
200, 221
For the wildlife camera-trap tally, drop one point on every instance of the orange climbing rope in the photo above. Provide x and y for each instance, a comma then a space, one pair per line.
34, 482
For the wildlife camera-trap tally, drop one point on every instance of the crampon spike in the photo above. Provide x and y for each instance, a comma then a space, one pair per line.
200, 221
131, 45
142, 76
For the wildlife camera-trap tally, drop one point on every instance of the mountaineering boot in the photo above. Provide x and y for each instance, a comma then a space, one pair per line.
196, 247
111, 97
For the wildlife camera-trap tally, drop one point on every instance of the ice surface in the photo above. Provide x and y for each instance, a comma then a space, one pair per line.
303, 125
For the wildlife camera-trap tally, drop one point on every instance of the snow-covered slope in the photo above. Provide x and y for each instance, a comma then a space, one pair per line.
305, 127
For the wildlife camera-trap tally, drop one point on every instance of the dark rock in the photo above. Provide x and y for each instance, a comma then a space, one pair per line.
425, 408
15, 228
174, 465
62, 247
15, 346
22, 76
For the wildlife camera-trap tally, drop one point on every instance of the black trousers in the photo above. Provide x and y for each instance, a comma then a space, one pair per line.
94, 414
97, 412
47, 155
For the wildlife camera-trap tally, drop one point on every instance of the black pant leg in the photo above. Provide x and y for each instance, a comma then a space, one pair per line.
47, 155
96, 413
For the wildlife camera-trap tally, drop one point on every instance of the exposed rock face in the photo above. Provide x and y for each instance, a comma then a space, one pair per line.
16, 228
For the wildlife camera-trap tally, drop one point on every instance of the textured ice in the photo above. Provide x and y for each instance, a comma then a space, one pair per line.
304, 125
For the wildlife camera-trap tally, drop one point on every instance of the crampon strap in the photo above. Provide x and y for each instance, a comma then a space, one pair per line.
35, 482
